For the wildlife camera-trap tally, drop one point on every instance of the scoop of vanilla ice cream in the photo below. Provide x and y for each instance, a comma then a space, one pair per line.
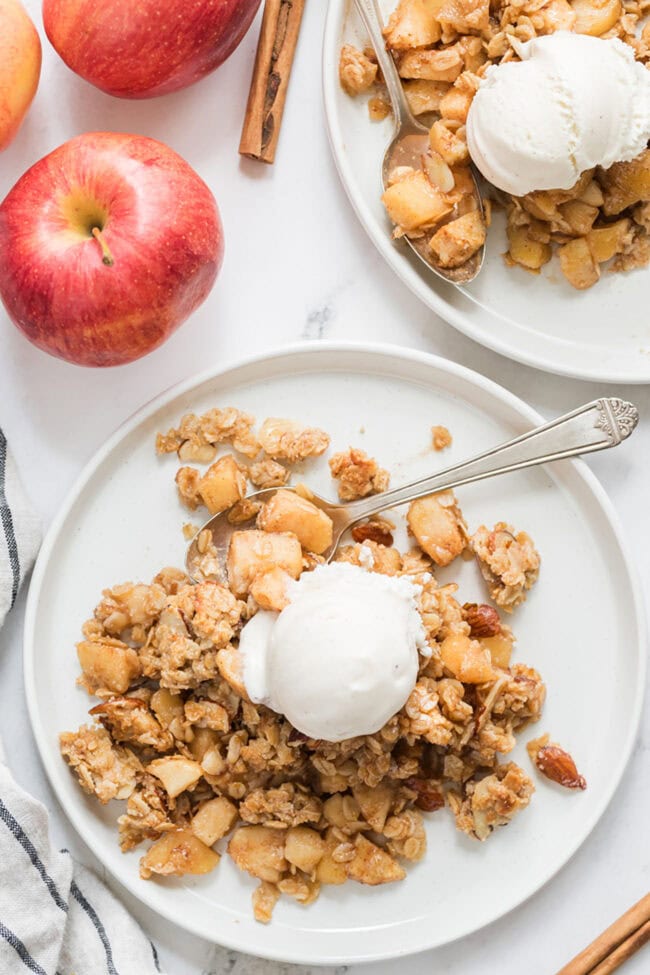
571, 103
342, 657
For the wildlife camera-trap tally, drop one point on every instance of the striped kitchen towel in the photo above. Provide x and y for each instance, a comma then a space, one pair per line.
56, 917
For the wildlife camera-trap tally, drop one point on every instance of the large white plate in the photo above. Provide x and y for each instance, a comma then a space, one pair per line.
603, 333
582, 627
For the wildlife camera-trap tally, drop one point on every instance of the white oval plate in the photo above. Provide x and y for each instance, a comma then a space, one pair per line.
582, 627
603, 333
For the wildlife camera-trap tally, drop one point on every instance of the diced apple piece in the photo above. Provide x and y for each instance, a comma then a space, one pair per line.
230, 665
577, 264
424, 96
222, 485
108, 664
558, 15
626, 183
595, 17
437, 526
593, 195
252, 552
500, 648
177, 853
372, 865
467, 659
304, 848
531, 254
259, 850
448, 143
412, 24
214, 819
328, 870
465, 16
455, 105
167, 707
414, 202
374, 803
287, 511
605, 242
458, 240
176, 773
443, 65
269, 590
203, 740
579, 215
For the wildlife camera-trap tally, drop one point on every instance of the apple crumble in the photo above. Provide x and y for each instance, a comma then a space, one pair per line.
175, 737
442, 49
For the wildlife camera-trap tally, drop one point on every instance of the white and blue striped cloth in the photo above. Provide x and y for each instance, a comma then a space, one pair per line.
56, 917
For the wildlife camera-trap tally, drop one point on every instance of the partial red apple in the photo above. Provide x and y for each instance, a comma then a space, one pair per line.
146, 48
106, 246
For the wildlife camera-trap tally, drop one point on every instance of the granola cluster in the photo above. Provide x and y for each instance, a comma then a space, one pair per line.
176, 738
442, 49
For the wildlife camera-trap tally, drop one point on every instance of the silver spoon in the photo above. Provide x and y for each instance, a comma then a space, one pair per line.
410, 143
596, 426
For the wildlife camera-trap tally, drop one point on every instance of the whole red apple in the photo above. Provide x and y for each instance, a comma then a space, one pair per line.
106, 246
146, 48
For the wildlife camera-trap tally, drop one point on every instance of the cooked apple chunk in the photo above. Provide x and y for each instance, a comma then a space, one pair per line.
259, 850
458, 240
328, 869
595, 17
438, 526
222, 485
611, 239
177, 853
214, 819
287, 511
449, 142
525, 251
443, 65
372, 865
304, 848
578, 264
176, 773
253, 552
467, 659
230, 665
269, 589
626, 183
412, 24
414, 202
424, 96
107, 665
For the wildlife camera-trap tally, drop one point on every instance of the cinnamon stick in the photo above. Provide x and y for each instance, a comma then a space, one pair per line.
624, 951
268, 91
615, 945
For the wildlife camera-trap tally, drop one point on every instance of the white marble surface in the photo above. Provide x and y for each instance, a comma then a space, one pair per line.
297, 267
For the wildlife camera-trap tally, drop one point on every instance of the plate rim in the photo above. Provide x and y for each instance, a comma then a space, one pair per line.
337, 11
399, 354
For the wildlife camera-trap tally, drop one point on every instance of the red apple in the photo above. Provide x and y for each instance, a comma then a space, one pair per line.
106, 246
145, 48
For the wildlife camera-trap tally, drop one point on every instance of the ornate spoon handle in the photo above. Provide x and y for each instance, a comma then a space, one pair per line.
596, 426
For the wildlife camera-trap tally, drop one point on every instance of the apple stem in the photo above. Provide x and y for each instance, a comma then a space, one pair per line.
107, 257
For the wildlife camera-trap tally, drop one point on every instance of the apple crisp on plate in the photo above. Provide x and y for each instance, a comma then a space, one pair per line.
203, 771
443, 49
